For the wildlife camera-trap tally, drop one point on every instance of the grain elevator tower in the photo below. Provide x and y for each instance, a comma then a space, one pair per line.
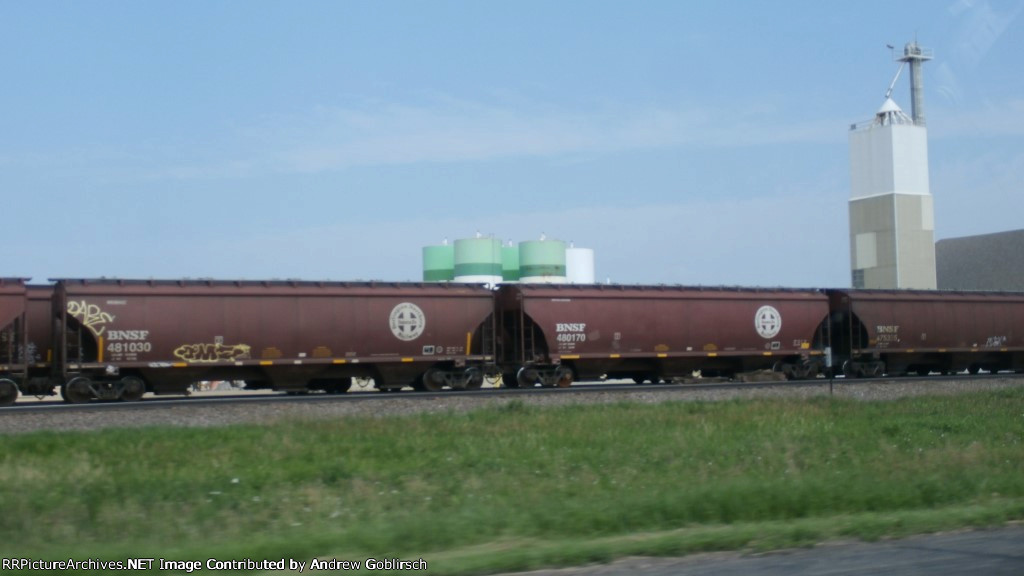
892, 220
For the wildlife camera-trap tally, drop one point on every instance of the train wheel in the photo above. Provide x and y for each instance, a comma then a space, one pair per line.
974, 368
433, 380
850, 371
132, 389
508, 380
526, 378
474, 379
8, 392
77, 390
787, 369
564, 376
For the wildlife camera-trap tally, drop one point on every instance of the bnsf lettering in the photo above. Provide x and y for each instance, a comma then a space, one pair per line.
570, 327
127, 335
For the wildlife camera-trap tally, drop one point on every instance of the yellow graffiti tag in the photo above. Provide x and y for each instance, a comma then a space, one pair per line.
91, 316
211, 352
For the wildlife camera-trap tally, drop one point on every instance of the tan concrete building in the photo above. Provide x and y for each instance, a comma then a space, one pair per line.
986, 262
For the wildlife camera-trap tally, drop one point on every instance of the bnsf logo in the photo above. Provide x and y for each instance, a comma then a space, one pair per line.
569, 333
127, 334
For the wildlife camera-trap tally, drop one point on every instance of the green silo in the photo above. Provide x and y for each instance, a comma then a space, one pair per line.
510, 262
438, 263
478, 260
542, 261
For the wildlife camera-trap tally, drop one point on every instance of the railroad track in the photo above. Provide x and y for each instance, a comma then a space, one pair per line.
212, 411
372, 395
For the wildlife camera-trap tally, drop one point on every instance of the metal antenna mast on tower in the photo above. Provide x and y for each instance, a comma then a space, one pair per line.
916, 55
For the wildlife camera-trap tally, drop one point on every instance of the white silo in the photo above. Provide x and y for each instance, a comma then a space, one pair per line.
579, 265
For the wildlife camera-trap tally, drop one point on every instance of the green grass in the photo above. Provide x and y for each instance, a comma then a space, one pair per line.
519, 487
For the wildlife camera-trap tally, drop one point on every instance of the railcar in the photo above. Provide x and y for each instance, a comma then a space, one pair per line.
555, 334
894, 332
40, 346
13, 367
117, 339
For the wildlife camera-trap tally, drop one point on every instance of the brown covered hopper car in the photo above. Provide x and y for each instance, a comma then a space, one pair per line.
553, 334
39, 347
13, 368
920, 332
120, 338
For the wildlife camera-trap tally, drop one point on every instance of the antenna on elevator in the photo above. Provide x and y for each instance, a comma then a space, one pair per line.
892, 52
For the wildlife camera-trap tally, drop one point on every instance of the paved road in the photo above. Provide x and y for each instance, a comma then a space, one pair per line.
997, 552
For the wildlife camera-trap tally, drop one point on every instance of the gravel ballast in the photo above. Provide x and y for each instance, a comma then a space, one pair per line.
227, 412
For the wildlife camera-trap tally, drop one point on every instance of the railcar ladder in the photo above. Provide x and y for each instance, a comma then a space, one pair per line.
487, 338
529, 351
74, 345
9, 344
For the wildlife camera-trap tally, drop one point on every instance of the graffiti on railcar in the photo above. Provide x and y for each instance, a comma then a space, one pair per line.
90, 315
214, 352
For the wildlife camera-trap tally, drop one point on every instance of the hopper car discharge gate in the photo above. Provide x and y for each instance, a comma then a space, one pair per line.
81, 348
849, 334
16, 358
525, 355
460, 374
12, 359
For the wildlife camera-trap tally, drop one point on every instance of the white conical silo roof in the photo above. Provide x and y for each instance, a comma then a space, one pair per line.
890, 113
889, 106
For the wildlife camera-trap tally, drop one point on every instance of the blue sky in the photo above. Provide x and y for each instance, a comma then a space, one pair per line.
685, 142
